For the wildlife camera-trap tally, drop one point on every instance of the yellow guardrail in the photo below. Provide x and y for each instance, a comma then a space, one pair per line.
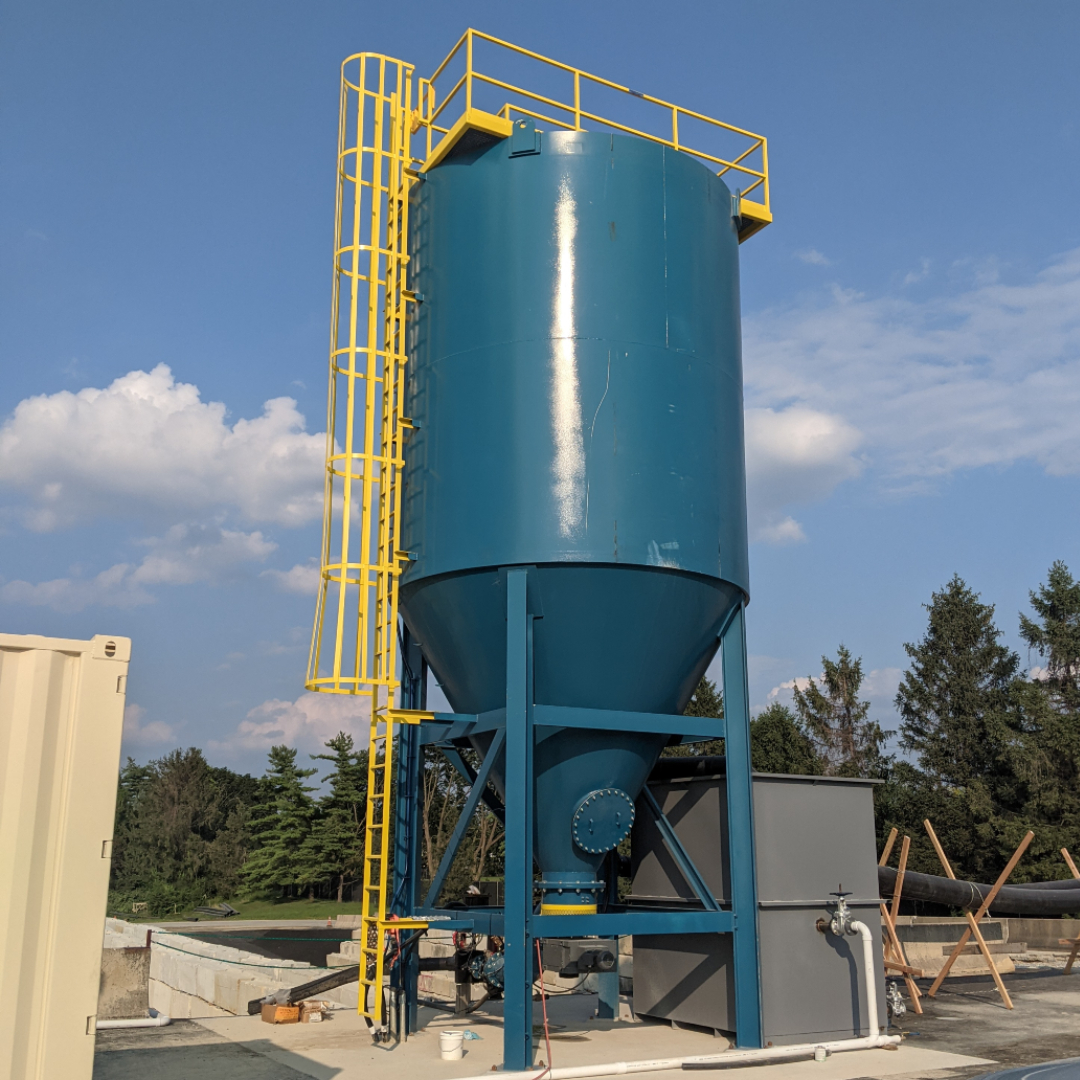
441, 117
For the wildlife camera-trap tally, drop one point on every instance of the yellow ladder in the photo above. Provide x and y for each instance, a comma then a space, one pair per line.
354, 644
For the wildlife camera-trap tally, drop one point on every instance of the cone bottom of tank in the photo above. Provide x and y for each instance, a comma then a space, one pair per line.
627, 638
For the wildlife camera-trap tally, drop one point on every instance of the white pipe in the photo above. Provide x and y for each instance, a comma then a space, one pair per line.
868, 964
155, 1019
732, 1057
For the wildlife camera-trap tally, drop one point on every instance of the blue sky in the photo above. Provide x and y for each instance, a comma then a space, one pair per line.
911, 320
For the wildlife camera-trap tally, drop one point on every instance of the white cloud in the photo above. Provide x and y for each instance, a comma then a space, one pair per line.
878, 687
138, 734
917, 275
186, 554
785, 691
303, 578
305, 724
148, 445
794, 455
190, 553
111, 588
881, 684
784, 531
987, 377
812, 257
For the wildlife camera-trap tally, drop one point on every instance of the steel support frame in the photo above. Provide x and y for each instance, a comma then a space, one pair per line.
518, 923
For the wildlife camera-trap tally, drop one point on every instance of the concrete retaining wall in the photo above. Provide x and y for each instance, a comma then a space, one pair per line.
189, 978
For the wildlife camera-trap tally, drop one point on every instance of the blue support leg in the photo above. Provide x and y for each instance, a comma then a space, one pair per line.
607, 985
748, 1029
517, 1007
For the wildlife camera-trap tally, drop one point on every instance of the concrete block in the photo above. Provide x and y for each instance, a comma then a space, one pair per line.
187, 976
1043, 933
124, 986
205, 981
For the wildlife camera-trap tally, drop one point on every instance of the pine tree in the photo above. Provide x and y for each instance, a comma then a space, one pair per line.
959, 714
335, 848
846, 740
1047, 755
1056, 635
955, 699
282, 824
778, 744
706, 700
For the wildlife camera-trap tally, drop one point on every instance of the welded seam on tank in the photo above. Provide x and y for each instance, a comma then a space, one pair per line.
634, 342
568, 465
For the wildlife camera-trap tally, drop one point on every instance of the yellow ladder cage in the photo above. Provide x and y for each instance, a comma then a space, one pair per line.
390, 130
354, 646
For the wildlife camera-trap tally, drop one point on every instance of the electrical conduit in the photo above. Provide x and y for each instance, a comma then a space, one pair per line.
730, 1058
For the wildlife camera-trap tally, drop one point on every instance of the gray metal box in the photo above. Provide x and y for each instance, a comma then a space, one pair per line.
812, 835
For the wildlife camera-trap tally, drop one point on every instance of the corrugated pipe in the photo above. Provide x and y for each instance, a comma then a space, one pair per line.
734, 1057
1039, 898
155, 1019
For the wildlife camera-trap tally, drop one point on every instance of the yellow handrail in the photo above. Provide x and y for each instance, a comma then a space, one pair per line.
462, 97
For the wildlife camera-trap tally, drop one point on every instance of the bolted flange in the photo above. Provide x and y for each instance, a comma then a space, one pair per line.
602, 820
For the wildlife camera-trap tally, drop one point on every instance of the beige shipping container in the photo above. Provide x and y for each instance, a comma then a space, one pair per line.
61, 717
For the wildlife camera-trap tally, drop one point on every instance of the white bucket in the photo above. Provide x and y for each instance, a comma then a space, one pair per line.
452, 1045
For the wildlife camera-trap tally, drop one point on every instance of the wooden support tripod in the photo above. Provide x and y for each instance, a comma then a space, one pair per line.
973, 920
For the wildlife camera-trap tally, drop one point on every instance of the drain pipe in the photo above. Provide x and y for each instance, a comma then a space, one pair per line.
155, 1019
841, 925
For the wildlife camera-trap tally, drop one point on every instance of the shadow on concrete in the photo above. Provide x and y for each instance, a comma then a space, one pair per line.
187, 1051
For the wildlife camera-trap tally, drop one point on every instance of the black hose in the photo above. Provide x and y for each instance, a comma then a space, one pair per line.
688, 768
1055, 898
1054, 886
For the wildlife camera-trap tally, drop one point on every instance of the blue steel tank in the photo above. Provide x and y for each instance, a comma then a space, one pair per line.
576, 382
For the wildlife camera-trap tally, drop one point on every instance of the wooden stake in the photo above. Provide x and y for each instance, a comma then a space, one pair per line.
1072, 865
895, 959
983, 909
884, 860
900, 871
983, 947
1075, 943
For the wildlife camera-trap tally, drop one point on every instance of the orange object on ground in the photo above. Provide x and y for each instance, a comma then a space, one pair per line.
280, 1014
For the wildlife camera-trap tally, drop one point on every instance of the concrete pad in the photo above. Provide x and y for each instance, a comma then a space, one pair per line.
341, 1049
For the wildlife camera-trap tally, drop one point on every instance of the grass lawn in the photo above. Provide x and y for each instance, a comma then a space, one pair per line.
264, 909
